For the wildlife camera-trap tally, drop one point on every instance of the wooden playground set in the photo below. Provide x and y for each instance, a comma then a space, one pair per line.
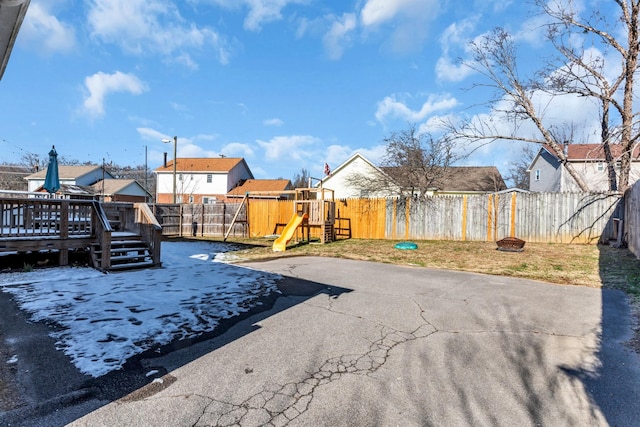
313, 208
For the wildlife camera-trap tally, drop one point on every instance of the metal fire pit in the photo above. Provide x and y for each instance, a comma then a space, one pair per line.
511, 244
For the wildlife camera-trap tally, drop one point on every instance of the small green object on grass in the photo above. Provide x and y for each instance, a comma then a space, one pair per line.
406, 245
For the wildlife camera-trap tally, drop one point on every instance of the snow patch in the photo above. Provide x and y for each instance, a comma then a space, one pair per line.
104, 319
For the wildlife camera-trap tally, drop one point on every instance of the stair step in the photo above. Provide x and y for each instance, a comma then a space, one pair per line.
129, 257
132, 265
127, 242
132, 249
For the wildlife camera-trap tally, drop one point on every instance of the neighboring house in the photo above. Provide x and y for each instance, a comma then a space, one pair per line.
200, 180
121, 190
456, 180
459, 180
263, 188
85, 182
546, 173
70, 175
341, 178
12, 177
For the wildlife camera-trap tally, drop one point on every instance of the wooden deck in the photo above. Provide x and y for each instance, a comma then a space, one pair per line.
34, 224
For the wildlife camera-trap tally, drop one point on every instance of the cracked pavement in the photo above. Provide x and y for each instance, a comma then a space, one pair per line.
389, 345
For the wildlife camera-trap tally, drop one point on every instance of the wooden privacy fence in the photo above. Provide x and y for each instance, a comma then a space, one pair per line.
632, 218
534, 217
211, 219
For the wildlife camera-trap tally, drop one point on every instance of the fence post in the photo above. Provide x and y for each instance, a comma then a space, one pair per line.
512, 229
464, 218
407, 217
489, 218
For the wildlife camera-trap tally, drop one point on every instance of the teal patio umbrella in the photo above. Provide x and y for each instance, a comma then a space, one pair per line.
52, 180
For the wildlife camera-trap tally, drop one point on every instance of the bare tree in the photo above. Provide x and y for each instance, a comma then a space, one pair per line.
494, 57
585, 73
579, 69
301, 180
414, 164
518, 172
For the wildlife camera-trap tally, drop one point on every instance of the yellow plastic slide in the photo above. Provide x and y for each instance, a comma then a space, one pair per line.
280, 244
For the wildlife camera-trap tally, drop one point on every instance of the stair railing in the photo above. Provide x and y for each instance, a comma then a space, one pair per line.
149, 229
102, 231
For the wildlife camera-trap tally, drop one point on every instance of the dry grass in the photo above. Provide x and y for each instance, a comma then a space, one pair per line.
582, 265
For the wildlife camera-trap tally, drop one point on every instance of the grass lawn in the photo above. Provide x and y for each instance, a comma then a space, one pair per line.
581, 265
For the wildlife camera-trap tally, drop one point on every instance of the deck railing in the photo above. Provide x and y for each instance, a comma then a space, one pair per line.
41, 224
44, 218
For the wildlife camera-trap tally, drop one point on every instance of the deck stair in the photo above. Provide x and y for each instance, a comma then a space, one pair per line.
128, 251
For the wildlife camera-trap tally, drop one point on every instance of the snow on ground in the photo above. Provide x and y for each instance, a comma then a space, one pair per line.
104, 319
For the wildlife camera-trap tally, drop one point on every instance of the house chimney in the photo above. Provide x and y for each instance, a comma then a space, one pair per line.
165, 159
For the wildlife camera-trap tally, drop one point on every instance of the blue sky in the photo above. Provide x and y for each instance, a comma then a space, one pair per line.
286, 84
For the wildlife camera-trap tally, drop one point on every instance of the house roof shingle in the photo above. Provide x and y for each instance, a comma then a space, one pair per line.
199, 164
472, 178
592, 152
65, 172
261, 185
466, 179
112, 186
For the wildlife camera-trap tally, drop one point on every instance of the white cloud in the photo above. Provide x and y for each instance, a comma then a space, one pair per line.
44, 32
260, 11
294, 147
376, 12
237, 149
151, 26
409, 20
447, 70
100, 85
149, 134
273, 122
339, 35
456, 38
391, 107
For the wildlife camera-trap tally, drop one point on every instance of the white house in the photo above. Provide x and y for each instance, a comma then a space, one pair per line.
200, 180
455, 180
546, 173
70, 175
341, 178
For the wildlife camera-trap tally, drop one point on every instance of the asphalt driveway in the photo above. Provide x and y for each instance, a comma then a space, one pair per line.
359, 343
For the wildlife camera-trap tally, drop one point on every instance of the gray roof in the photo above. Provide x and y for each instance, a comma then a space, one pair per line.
472, 178
67, 172
113, 186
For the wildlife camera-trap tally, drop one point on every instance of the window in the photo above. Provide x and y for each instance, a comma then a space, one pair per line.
209, 178
205, 200
180, 177
537, 175
191, 199
178, 199
600, 166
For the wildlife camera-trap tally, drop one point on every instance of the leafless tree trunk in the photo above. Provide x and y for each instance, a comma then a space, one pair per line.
494, 57
584, 74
